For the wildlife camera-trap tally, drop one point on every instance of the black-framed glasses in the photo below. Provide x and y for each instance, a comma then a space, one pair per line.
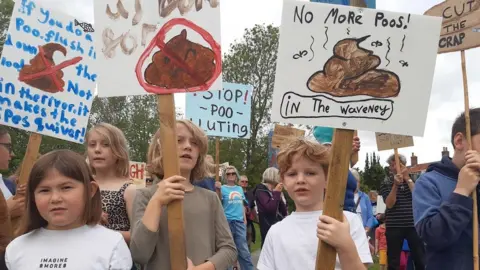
8, 146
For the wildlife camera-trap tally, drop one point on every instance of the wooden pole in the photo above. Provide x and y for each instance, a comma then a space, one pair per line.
397, 160
217, 164
469, 140
217, 159
31, 155
171, 167
336, 185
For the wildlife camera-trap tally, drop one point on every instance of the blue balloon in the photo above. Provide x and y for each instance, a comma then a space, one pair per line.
323, 134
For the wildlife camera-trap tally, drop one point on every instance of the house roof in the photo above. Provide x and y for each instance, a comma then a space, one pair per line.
418, 167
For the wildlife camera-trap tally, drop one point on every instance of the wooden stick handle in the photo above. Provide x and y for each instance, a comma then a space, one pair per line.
217, 159
171, 167
33, 148
469, 140
336, 185
397, 160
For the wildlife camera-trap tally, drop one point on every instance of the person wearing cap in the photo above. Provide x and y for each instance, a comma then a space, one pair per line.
324, 135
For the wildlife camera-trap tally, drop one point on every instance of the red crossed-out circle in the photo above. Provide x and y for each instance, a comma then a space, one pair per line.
50, 69
159, 41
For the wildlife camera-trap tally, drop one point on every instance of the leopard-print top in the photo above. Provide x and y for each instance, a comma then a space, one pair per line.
114, 205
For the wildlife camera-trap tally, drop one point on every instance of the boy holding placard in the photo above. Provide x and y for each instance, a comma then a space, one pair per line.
442, 207
303, 169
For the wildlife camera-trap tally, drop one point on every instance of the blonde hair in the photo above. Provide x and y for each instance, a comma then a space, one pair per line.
224, 174
271, 176
117, 142
155, 157
355, 173
311, 150
210, 167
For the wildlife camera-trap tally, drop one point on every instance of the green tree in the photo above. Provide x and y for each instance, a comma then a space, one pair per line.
6, 8
373, 174
252, 61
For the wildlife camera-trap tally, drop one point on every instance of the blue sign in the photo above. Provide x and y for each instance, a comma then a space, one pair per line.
369, 3
47, 73
222, 113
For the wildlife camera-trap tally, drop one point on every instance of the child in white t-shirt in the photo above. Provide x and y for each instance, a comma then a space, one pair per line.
291, 243
61, 228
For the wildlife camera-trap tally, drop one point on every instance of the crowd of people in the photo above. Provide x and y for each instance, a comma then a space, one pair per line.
79, 213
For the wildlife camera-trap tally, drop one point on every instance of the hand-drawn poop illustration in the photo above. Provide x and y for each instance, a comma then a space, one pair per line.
351, 71
181, 64
42, 73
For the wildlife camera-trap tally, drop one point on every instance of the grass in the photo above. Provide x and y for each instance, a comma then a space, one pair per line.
258, 241
256, 246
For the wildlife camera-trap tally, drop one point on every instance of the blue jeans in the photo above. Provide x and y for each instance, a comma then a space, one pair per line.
239, 234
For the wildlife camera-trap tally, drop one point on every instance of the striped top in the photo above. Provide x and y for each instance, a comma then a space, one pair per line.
401, 214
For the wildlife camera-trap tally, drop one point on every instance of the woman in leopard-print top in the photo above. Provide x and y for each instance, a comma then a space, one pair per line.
108, 158
113, 203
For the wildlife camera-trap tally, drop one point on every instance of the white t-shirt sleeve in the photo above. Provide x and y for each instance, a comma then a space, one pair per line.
121, 258
357, 231
267, 256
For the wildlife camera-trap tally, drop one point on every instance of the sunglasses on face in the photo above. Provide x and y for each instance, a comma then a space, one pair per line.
230, 174
8, 146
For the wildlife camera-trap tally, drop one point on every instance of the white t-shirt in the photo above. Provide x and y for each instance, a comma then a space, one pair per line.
87, 247
4, 189
292, 243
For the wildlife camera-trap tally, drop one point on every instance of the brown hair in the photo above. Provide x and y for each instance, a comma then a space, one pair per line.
117, 142
71, 165
210, 166
310, 149
155, 158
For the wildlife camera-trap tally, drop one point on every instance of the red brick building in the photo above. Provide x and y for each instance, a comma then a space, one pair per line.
416, 169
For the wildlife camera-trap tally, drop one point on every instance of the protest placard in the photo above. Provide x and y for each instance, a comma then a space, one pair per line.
137, 173
284, 134
387, 141
365, 3
461, 24
47, 72
365, 70
157, 47
223, 113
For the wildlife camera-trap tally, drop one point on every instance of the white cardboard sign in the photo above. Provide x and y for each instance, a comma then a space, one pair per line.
354, 68
47, 72
184, 37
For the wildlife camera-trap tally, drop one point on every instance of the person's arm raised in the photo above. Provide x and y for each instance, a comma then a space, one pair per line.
146, 216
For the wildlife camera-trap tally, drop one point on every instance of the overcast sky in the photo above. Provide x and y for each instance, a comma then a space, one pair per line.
446, 101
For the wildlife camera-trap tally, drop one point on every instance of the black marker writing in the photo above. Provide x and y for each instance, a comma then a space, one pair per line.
377, 43
308, 16
393, 23
350, 18
326, 35
388, 51
403, 43
403, 63
300, 54
311, 49
447, 12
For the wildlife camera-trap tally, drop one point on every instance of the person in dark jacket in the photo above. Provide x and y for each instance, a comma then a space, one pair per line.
249, 209
324, 135
442, 207
268, 198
